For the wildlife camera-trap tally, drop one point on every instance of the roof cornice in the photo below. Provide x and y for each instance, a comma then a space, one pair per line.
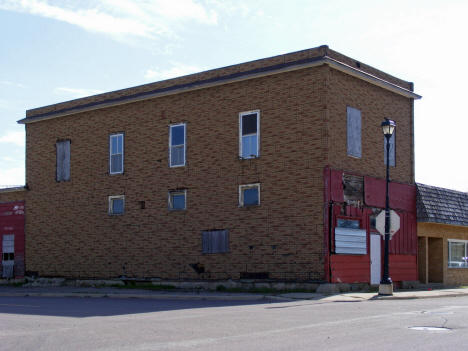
232, 78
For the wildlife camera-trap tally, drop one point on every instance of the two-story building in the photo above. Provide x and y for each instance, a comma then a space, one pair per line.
271, 169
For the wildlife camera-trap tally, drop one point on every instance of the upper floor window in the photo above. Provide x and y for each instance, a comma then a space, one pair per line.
354, 132
177, 144
249, 134
116, 153
63, 160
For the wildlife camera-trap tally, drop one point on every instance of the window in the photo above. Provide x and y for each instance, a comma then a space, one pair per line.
177, 145
457, 254
116, 153
392, 149
177, 200
63, 160
249, 195
215, 241
354, 132
350, 239
116, 205
249, 134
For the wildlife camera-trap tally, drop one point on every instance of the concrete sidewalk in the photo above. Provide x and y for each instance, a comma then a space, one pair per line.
111, 292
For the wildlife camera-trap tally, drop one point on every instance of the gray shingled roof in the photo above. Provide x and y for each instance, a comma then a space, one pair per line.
440, 205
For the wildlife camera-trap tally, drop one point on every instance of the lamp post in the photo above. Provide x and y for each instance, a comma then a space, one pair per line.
386, 286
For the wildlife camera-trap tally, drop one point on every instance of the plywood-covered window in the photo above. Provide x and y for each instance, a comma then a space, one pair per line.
354, 132
63, 160
215, 241
392, 149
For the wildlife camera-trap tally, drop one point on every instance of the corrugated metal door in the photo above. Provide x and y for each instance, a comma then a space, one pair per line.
375, 256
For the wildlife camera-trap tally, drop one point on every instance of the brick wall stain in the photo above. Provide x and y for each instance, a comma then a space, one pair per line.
303, 129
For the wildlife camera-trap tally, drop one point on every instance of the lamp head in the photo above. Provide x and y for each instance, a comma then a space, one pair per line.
388, 127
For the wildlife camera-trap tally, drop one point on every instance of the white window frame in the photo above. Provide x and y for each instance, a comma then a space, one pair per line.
184, 124
170, 200
449, 254
111, 205
241, 194
241, 114
111, 136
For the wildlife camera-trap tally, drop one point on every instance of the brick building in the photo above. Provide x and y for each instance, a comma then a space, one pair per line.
442, 235
242, 172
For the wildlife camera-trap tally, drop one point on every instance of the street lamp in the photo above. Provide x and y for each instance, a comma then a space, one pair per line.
386, 285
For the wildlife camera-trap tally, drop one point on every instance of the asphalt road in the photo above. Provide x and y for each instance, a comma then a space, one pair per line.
71, 323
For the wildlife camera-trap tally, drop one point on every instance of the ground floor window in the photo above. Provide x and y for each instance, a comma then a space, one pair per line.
350, 239
457, 254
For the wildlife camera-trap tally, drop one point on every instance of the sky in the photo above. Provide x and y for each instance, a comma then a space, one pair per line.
58, 50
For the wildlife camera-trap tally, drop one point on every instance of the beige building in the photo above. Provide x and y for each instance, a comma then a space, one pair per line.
442, 236
223, 174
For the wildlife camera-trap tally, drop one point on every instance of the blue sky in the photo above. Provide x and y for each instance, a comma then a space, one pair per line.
58, 50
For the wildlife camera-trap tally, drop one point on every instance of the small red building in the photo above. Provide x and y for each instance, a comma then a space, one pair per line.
354, 248
12, 238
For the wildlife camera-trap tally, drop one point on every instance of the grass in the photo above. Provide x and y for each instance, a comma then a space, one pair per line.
19, 284
144, 286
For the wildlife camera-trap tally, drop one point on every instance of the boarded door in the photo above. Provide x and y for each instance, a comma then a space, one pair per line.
375, 258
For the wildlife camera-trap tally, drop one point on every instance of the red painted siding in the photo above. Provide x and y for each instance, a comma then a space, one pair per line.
12, 222
350, 269
403, 267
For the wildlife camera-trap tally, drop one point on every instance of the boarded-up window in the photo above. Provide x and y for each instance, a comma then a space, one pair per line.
349, 238
63, 160
354, 132
392, 149
215, 241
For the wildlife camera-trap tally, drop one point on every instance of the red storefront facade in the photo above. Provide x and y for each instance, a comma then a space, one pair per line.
355, 199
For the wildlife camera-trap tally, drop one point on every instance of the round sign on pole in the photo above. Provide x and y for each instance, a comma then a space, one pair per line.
394, 222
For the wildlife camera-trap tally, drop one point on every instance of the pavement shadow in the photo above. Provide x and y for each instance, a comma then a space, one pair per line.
83, 307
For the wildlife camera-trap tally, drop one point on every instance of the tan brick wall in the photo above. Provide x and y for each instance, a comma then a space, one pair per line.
451, 276
12, 196
375, 105
70, 233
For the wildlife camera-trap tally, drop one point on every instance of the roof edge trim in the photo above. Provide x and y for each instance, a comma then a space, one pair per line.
237, 77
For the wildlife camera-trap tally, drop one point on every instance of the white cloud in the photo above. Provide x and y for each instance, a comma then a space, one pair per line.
17, 138
11, 84
13, 176
119, 18
178, 70
77, 93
